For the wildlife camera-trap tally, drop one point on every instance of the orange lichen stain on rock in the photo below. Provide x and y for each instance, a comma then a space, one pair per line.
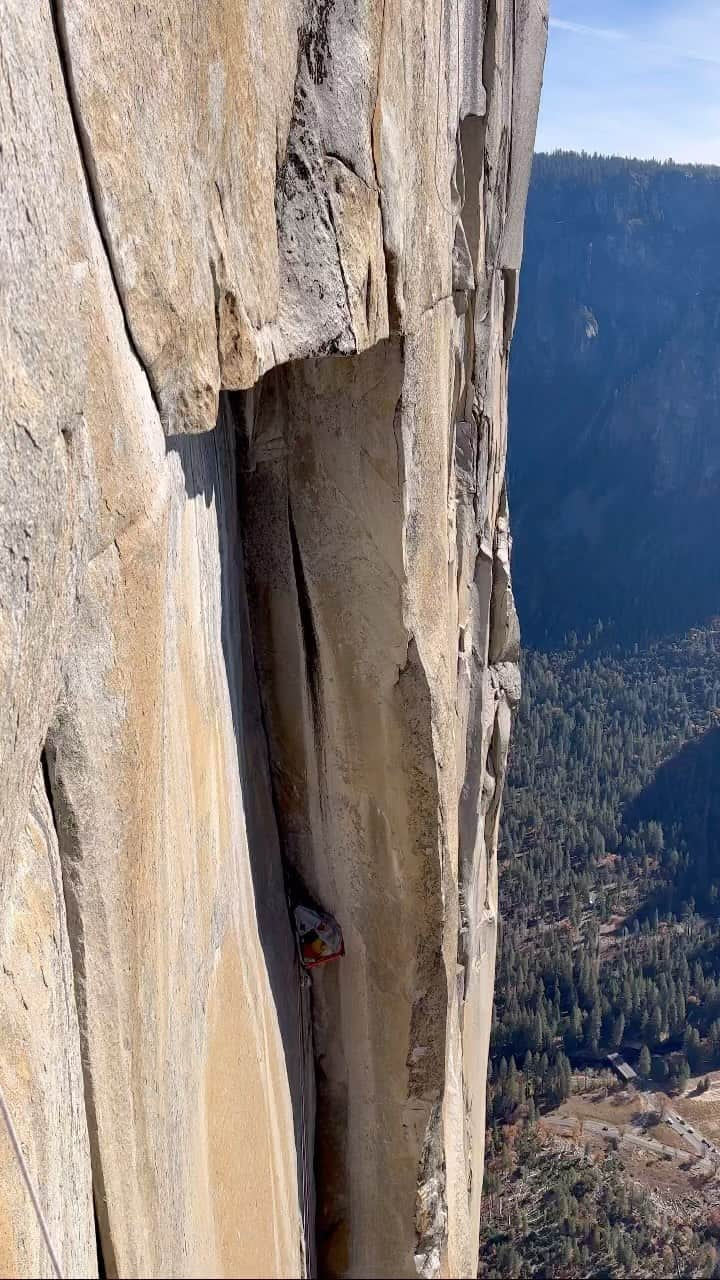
205, 762
137, 678
254, 1233
203, 701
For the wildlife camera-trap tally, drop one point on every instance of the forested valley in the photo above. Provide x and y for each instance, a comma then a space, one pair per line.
610, 883
610, 849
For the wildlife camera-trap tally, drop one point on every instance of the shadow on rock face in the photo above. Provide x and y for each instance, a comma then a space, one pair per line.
209, 464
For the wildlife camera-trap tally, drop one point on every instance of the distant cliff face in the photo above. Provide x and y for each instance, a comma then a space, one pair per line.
615, 398
257, 632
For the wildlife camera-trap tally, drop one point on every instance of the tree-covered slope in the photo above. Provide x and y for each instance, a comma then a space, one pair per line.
615, 399
610, 848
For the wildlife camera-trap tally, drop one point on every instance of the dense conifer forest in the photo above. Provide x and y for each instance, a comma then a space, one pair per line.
610, 880
610, 847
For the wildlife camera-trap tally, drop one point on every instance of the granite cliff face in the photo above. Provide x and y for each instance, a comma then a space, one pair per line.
259, 278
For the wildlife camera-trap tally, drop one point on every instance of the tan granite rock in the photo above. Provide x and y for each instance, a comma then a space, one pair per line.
41, 1068
258, 287
150, 739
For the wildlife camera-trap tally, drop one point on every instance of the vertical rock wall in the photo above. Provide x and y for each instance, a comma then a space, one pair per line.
318, 205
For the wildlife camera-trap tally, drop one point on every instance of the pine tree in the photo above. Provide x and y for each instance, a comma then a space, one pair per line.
659, 1068
655, 1025
692, 1047
592, 1031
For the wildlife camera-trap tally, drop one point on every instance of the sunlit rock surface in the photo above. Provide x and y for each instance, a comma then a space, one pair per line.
257, 635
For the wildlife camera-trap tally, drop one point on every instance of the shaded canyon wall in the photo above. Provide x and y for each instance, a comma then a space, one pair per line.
259, 279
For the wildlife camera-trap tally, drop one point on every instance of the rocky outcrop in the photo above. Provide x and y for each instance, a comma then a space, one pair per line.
257, 637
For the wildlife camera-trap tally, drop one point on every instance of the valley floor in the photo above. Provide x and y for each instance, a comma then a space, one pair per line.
616, 1182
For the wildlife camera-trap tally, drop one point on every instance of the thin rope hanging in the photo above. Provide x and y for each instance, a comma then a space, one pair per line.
303, 978
29, 1184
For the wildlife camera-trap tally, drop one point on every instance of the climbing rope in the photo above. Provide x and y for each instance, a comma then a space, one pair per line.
29, 1184
303, 984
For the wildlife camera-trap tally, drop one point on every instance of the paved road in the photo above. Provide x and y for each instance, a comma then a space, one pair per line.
603, 1130
695, 1142
701, 1146
650, 1144
569, 1124
630, 1138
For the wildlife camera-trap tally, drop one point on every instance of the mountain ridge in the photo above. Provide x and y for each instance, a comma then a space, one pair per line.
615, 393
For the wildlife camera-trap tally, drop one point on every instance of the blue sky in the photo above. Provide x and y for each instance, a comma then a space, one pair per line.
633, 77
